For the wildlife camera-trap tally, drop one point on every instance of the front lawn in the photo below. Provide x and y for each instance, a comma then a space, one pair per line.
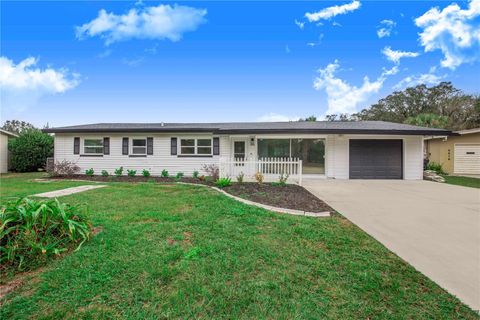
463, 181
178, 251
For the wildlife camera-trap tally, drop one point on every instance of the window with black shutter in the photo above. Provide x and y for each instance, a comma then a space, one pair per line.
173, 146
150, 146
216, 146
125, 146
76, 145
106, 145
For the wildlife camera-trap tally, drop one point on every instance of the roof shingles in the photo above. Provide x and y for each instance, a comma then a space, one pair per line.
339, 127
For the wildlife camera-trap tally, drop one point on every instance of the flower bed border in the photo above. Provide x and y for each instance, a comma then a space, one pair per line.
323, 214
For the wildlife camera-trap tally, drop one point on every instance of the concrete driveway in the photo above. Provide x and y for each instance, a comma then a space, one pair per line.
433, 226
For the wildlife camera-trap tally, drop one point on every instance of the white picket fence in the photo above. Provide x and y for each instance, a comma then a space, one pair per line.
270, 168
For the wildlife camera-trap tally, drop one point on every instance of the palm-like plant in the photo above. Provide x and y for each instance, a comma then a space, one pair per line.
32, 230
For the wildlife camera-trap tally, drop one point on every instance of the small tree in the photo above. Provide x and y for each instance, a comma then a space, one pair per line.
30, 150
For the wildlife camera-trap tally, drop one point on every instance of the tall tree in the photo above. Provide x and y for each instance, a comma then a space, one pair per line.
17, 126
429, 120
461, 110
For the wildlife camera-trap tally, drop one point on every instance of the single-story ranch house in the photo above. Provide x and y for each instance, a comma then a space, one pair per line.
335, 149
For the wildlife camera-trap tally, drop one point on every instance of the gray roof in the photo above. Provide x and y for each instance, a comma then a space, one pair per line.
351, 127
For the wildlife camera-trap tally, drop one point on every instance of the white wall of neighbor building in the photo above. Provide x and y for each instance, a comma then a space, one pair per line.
3, 153
161, 158
336, 153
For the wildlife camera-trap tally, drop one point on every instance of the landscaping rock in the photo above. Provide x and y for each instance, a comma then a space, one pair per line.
432, 176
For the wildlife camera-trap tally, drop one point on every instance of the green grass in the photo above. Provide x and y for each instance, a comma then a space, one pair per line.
24, 184
463, 181
177, 251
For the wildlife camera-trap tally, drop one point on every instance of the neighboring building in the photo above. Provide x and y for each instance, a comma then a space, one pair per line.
4, 155
458, 155
341, 150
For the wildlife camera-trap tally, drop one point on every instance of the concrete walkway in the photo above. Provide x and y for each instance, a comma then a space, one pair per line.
66, 192
433, 226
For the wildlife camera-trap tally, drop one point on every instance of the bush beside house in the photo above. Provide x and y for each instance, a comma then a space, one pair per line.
30, 150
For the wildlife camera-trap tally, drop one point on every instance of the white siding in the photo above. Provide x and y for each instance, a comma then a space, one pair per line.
338, 155
161, 158
3, 153
413, 158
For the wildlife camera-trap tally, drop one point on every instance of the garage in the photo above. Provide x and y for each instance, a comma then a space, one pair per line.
467, 159
376, 159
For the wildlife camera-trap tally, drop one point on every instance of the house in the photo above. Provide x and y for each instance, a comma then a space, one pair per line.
340, 150
4, 154
458, 155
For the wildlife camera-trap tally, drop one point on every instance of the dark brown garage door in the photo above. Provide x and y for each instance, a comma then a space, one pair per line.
376, 159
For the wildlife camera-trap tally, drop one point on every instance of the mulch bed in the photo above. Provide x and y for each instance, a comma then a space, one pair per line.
290, 196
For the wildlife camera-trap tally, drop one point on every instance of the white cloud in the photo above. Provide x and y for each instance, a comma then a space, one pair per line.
160, 22
454, 31
429, 78
396, 55
386, 27
343, 97
275, 117
300, 24
23, 84
330, 12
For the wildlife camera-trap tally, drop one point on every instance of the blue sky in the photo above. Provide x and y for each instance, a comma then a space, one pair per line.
84, 62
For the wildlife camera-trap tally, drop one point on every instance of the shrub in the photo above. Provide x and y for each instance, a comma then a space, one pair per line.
259, 177
89, 172
437, 167
223, 182
145, 173
179, 176
212, 170
282, 180
104, 173
164, 173
131, 173
240, 177
30, 150
195, 174
65, 168
118, 172
32, 231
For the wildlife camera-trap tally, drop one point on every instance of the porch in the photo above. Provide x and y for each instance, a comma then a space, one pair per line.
275, 155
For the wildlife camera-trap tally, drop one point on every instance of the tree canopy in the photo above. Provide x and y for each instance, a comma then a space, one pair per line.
17, 126
442, 106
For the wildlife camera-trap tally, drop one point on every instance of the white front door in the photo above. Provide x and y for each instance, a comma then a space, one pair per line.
239, 155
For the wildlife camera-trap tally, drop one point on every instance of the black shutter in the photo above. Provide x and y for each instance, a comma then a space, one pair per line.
125, 146
106, 145
216, 146
173, 146
76, 145
149, 146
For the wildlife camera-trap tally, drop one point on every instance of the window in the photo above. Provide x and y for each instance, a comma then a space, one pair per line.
139, 146
204, 146
93, 146
196, 146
